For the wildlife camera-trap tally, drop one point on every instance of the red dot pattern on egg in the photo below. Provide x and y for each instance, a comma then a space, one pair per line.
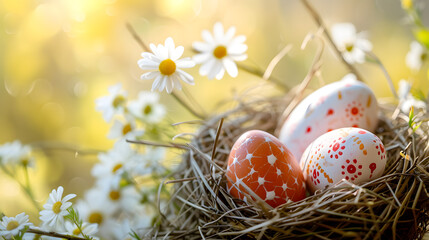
354, 111
260, 162
351, 170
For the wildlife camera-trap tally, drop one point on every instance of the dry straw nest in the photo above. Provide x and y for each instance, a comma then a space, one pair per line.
394, 206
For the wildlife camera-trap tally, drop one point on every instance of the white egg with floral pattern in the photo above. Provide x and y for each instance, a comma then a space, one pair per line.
345, 103
353, 154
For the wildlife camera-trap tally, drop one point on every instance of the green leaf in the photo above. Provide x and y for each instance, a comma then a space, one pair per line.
418, 94
422, 35
411, 117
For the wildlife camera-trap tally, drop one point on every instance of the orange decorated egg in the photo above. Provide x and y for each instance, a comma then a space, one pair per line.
261, 167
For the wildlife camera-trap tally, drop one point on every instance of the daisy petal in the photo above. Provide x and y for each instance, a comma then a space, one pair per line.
176, 82
157, 82
186, 77
149, 75
153, 48
163, 83
169, 85
177, 53
239, 39
163, 52
68, 197
200, 58
230, 67
215, 70
238, 58
218, 31
206, 67
147, 64
207, 36
185, 63
219, 76
169, 44
201, 46
229, 34
237, 49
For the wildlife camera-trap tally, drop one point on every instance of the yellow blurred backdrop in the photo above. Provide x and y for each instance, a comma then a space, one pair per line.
58, 56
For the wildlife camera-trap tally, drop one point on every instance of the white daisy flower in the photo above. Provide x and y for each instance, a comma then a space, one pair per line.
166, 66
147, 107
12, 226
89, 229
219, 52
112, 104
31, 236
125, 199
353, 45
56, 208
15, 153
149, 163
96, 209
114, 162
125, 130
122, 229
416, 56
407, 100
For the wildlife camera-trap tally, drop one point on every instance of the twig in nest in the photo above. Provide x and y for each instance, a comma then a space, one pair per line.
275, 61
260, 73
320, 23
315, 67
167, 145
217, 137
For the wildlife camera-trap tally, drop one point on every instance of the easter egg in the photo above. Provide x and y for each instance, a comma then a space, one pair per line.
346, 103
353, 154
262, 168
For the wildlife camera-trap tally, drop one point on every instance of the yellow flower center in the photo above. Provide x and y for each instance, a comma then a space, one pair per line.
167, 67
114, 195
126, 129
407, 4
12, 225
147, 110
95, 217
349, 47
56, 208
76, 231
220, 52
118, 101
117, 167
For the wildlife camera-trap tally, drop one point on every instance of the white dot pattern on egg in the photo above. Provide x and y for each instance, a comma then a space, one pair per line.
346, 103
261, 163
353, 154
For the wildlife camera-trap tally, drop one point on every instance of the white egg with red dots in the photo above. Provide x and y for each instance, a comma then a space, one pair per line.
353, 154
346, 103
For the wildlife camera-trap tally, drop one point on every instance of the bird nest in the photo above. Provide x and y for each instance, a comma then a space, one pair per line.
394, 206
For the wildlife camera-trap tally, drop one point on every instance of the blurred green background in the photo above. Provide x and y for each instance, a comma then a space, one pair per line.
58, 56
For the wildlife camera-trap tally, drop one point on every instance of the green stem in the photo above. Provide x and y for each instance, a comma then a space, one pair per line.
26, 188
386, 74
189, 108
